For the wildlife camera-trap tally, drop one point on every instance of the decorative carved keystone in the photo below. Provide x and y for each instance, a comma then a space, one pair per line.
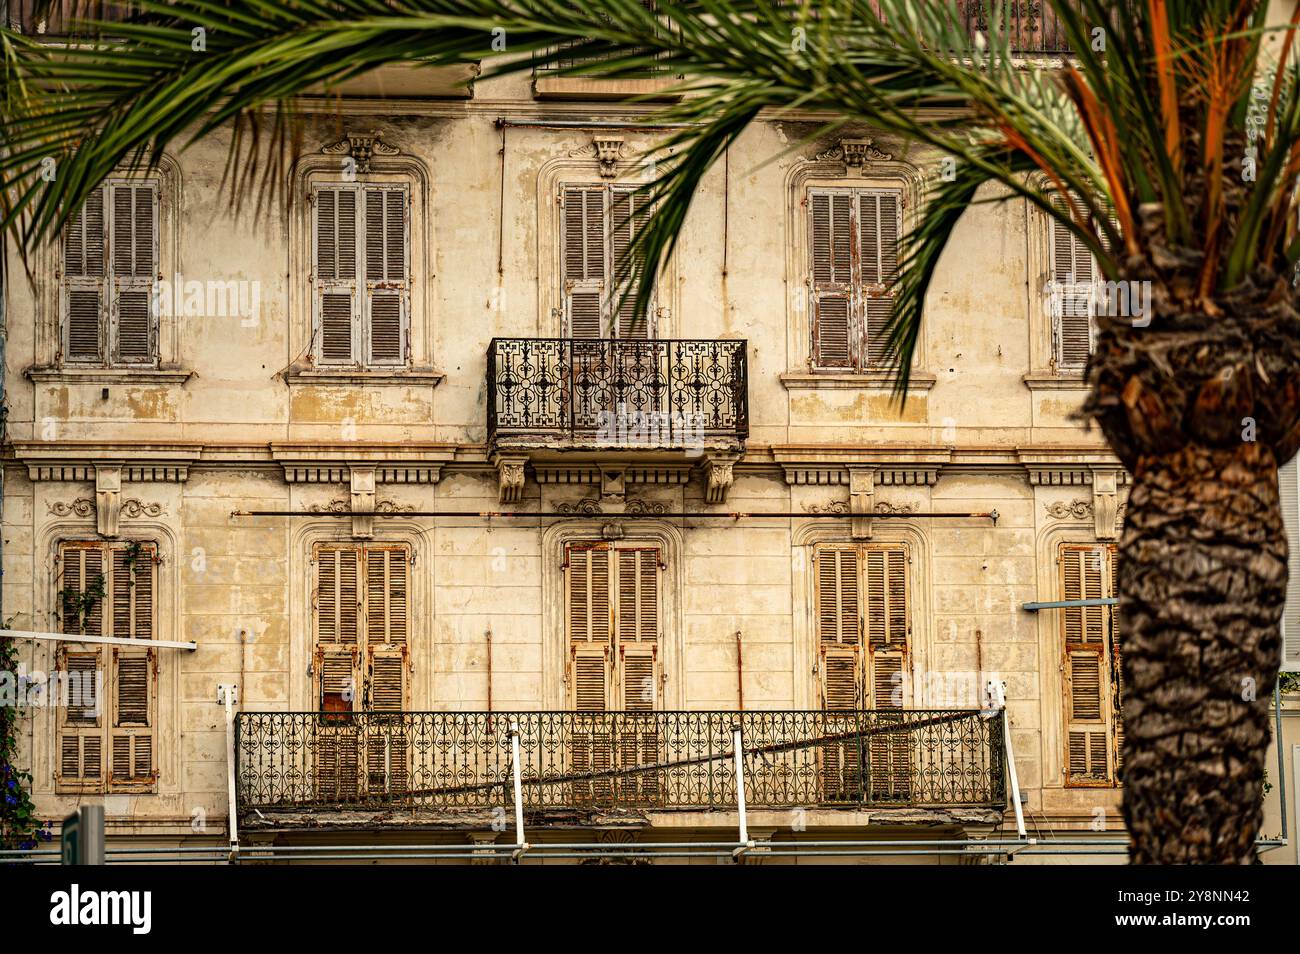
108, 498
363, 502
862, 498
613, 483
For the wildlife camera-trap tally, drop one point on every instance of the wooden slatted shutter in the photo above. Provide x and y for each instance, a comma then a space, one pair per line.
387, 287
1289, 494
637, 628
887, 629
386, 605
584, 266
839, 622
132, 735
133, 253
84, 244
1073, 273
1086, 574
1116, 673
334, 277
831, 239
337, 666
880, 223
629, 212
81, 721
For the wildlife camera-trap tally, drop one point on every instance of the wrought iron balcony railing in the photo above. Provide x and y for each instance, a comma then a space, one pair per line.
617, 393
447, 761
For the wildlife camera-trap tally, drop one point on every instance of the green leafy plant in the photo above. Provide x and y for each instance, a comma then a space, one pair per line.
79, 604
19, 826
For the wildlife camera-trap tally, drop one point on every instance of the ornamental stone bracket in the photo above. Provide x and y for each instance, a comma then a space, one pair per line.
510, 477
615, 477
718, 476
854, 153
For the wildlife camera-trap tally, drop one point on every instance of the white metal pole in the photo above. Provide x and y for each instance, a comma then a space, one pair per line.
520, 845
226, 693
105, 640
739, 757
1011, 773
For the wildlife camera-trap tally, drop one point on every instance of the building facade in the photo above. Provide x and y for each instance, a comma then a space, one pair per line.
255, 433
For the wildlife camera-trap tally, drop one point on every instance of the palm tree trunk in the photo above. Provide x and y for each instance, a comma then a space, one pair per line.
1201, 595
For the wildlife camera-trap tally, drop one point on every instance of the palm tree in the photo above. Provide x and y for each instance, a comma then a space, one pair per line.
1149, 134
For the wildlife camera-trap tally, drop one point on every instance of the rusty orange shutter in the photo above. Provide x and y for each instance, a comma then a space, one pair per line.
337, 627
584, 269
81, 722
84, 244
133, 734
830, 238
334, 275
1085, 574
880, 221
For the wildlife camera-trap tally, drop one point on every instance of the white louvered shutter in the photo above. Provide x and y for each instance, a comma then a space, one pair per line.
84, 287
1073, 274
334, 275
133, 258
880, 222
387, 288
832, 298
133, 732
628, 213
584, 266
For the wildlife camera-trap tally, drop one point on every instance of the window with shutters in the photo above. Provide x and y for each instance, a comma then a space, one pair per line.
597, 225
864, 636
361, 663
108, 275
853, 238
1090, 666
361, 289
612, 618
107, 694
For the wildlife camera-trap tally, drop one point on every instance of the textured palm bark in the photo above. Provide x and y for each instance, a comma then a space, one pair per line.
1201, 402
1203, 583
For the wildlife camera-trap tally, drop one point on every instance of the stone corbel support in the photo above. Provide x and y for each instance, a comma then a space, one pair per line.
510, 477
363, 502
862, 499
108, 498
1105, 502
718, 476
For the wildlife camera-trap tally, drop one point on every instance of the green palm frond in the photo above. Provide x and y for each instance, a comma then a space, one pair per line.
1128, 125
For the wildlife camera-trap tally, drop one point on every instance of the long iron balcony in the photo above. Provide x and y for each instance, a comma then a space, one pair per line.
449, 761
602, 393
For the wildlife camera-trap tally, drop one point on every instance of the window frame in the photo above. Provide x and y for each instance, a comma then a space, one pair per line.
109, 663
361, 286
859, 360
109, 286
